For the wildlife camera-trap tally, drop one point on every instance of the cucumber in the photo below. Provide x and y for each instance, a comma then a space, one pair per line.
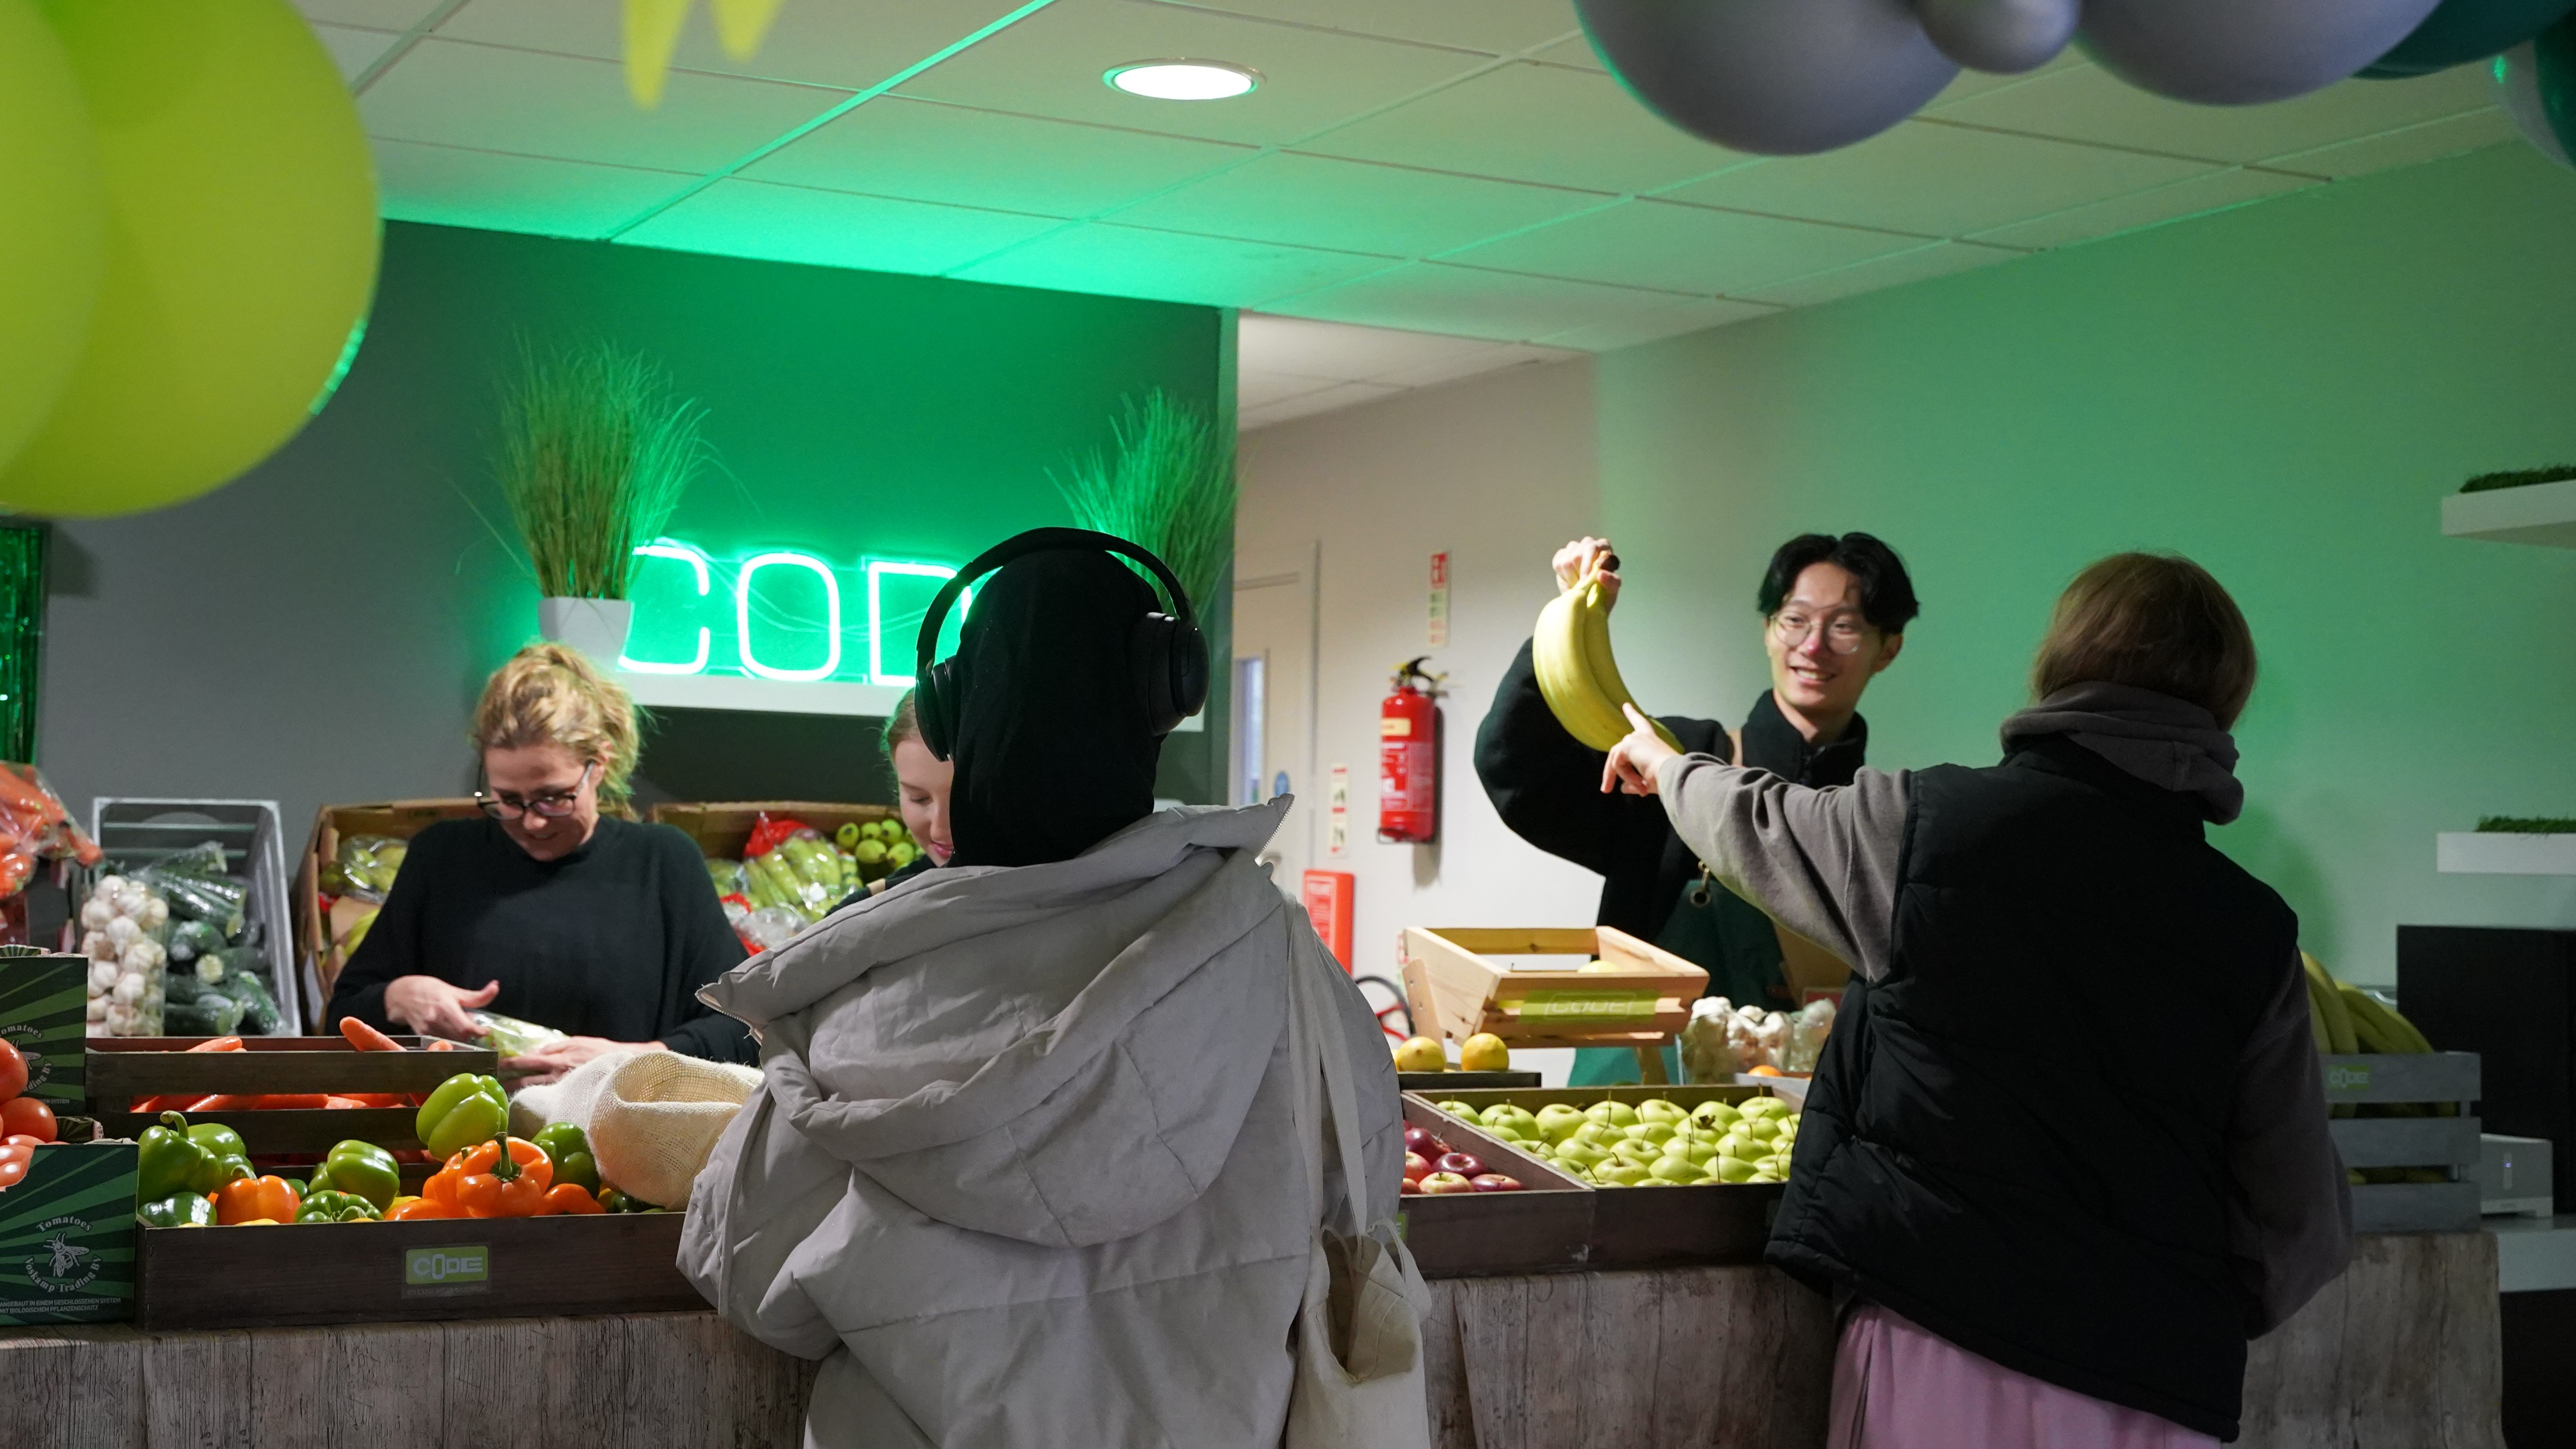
181, 987
191, 939
213, 1014
233, 961
259, 1009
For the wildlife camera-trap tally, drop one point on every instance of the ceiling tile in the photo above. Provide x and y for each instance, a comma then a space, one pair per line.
2405, 146
353, 50
1051, 63
1541, 123
1496, 27
2086, 103
1575, 50
1123, 261
738, 218
454, 187
1354, 206
818, 42
2210, 191
1431, 297
394, 15
1936, 180
1633, 331
577, 110
1680, 248
932, 152
1939, 259
1254, 388
1335, 396
1494, 358
1977, 82
1304, 347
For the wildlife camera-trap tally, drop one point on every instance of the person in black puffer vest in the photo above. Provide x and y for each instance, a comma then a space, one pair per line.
2066, 1150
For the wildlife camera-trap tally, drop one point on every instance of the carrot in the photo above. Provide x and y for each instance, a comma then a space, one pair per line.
173, 1102
272, 1102
366, 1038
374, 1099
442, 1044
219, 1044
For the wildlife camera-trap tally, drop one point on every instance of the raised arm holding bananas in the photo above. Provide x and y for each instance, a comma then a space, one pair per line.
1833, 611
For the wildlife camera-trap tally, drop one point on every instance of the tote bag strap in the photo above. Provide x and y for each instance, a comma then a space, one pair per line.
1311, 1009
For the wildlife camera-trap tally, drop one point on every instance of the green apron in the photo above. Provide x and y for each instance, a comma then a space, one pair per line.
1710, 927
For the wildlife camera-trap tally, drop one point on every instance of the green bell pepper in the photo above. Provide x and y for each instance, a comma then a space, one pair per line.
465, 1109
336, 1207
229, 1159
218, 1139
170, 1161
361, 1169
569, 1151
618, 1202
178, 1210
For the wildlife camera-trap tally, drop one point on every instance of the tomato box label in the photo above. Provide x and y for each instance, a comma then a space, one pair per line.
43, 1015
447, 1272
67, 1236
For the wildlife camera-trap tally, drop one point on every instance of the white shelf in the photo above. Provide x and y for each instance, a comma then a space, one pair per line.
2496, 852
2539, 513
780, 696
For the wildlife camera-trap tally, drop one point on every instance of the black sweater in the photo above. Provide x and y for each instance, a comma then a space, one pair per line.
1546, 784
611, 941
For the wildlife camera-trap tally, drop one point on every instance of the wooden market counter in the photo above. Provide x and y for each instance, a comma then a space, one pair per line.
2401, 1351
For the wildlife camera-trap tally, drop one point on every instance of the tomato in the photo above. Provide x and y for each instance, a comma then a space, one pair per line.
14, 1162
13, 1070
27, 1115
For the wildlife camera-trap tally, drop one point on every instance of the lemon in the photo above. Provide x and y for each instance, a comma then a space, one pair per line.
1484, 1052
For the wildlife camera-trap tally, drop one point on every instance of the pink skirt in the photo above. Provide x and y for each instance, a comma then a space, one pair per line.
1897, 1386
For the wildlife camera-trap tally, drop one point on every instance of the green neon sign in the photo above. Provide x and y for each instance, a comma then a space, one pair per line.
781, 614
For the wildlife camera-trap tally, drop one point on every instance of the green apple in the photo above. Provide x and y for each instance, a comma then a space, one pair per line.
1717, 1114
1557, 1121
1641, 1153
1659, 1182
1762, 1129
1619, 1174
1741, 1149
1704, 1150
1617, 1114
1735, 1169
1764, 1107
1458, 1109
1655, 1132
1596, 1134
1656, 1109
1677, 1169
1581, 1155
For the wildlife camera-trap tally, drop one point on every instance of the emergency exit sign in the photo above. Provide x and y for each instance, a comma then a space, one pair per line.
1439, 636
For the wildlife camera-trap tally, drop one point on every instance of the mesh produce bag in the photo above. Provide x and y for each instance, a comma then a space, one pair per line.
658, 1116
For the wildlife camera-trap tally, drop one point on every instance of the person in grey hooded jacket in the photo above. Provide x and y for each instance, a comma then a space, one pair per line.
1022, 1170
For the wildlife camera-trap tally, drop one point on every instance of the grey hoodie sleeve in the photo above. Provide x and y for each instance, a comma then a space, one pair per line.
2289, 1220
1820, 862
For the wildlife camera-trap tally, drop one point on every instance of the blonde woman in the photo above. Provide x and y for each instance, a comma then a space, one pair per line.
553, 907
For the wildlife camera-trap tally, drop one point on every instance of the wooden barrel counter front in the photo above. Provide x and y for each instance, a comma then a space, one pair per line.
2400, 1353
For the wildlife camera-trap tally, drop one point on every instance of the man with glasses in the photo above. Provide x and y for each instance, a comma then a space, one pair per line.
1834, 612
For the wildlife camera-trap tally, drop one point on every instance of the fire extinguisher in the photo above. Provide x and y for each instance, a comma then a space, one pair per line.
1408, 758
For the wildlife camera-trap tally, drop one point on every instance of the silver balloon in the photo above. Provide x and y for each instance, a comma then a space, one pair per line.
2244, 52
2517, 74
1775, 77
2004, 36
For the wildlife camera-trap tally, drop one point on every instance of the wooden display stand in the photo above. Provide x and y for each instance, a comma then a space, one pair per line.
121, 1069
1642, 999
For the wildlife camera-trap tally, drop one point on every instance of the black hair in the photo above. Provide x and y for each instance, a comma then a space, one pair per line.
1886, 591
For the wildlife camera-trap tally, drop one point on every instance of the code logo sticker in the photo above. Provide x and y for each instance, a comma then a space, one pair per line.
1587, 1006
447, 1272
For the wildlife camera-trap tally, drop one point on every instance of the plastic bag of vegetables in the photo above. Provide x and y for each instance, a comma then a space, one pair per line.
194, 883
122, 923
512, 1037
367, 865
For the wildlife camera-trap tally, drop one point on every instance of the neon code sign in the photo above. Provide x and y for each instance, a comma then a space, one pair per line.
781, 614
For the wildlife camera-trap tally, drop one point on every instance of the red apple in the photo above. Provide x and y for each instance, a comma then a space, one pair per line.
1415, 1167
1460, 1163
1440, 1183
1494, 1182
1419, 1139
1409, 1188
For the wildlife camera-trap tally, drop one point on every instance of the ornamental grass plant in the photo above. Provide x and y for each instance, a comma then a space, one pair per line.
1166, 482
595, 453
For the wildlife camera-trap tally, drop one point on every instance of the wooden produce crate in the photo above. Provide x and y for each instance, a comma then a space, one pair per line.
1450, 985
721, 829
1654, 1227
1546, 1227
317, 934
121, 1069
315, 1273
2446, 1144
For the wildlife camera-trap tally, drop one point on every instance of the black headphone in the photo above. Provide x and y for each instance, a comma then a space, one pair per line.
1167, 657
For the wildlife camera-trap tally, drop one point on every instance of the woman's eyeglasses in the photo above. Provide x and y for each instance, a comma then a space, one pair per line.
553, 805
1844, 633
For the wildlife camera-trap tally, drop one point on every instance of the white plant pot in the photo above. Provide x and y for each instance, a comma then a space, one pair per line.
596, 627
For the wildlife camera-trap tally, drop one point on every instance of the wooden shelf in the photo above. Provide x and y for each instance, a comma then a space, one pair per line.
2538, 513
2495, 852
780, 696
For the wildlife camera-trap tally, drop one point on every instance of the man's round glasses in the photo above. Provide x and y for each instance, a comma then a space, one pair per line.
553, 805
1843, 632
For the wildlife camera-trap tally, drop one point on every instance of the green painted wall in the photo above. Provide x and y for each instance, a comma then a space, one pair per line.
2283, 392
318, 629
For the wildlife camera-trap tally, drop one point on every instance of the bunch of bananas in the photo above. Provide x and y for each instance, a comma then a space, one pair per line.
2347, 1019
1570, 652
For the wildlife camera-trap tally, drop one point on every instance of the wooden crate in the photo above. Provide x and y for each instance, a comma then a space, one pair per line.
1634, 1227
1544, 1228
2447, 1144
1452, 989
318, 928
121, 1069
314, 1273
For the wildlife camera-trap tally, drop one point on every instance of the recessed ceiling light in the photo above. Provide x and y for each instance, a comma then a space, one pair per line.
1183, 80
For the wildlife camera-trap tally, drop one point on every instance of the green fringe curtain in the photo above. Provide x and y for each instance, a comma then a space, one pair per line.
22, 635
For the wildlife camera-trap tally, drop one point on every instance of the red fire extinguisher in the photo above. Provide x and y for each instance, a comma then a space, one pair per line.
1408, 758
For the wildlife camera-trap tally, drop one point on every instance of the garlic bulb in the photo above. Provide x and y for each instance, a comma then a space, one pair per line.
122, 931
98, 1008
130, 898
97, 946
156, 913
96, 912
122, 1020
128, 989
102, 975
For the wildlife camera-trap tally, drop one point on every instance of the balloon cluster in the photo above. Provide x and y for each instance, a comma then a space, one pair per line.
188, 250
1792, 77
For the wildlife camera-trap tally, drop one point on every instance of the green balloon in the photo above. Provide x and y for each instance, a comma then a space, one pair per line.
53, 244
2460, 31
241, 248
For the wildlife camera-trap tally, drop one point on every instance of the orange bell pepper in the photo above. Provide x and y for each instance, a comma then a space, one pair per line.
247, 1198
570, 1199
418, 1210
488, 1185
